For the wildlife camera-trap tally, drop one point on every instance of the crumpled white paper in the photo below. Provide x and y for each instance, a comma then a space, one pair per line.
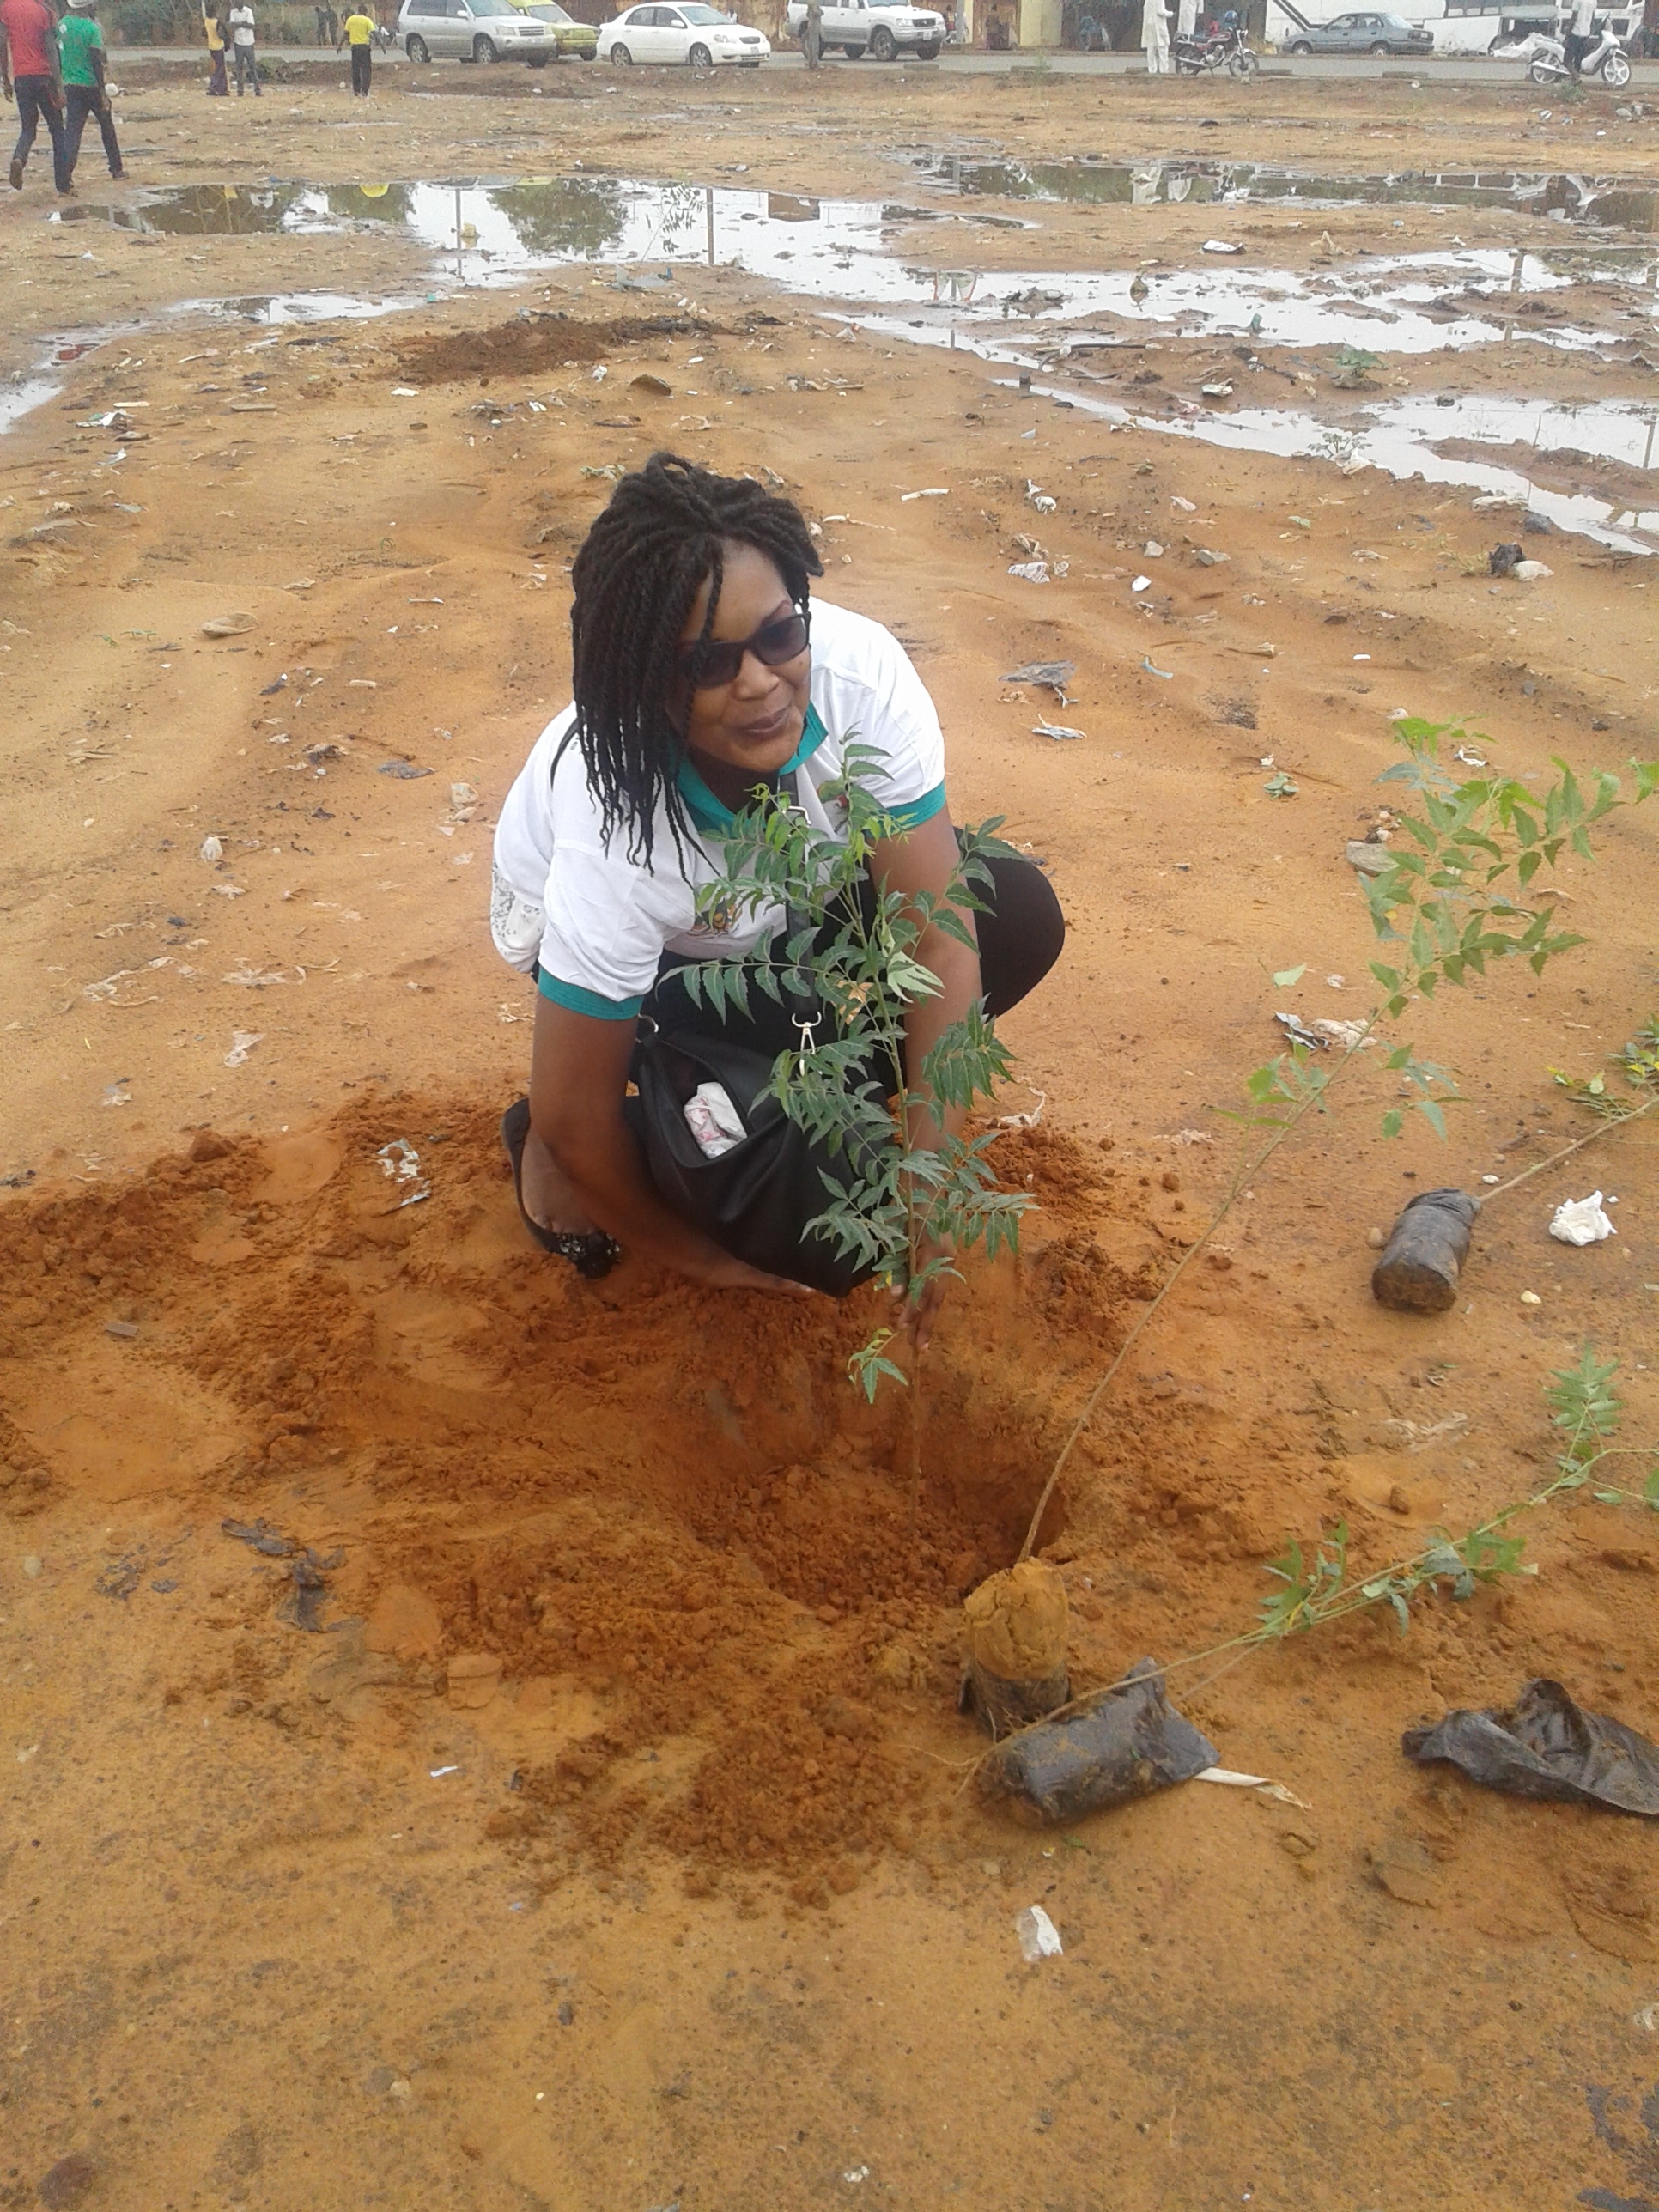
1039, 1938
713, 1121
1582, 1221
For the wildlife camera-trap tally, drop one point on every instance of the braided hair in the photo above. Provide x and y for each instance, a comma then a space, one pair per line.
635, 578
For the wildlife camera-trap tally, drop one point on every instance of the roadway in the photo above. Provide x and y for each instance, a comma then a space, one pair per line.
1460, 69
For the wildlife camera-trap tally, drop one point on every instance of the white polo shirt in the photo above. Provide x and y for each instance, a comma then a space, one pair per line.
566, 897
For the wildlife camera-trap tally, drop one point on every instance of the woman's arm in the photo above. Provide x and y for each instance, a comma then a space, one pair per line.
925, 859
578, 1077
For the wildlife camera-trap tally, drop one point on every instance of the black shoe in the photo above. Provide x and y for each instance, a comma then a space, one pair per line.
590, 1252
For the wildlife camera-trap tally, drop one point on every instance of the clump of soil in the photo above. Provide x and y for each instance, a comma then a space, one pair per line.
546, 340
1017, 1623
1014, 1645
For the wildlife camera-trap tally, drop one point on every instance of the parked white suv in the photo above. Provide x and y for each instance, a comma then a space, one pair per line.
885, 31
474, 30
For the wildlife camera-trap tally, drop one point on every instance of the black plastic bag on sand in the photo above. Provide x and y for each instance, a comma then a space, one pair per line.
1120, 1744
1546, 1747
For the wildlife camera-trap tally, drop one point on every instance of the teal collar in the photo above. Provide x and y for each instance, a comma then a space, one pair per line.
712, 814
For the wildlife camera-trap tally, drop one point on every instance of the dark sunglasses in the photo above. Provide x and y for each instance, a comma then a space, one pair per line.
714, 663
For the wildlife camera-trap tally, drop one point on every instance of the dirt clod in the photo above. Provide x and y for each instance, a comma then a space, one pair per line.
68, 2183
1014, 1645
1016, 1623
474, 1677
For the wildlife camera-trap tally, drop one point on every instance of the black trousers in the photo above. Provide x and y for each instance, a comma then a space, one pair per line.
37, 102
1021, 935
82, 100
362, 62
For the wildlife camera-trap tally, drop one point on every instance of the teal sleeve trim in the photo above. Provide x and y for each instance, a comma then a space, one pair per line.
576, 1001
915, 811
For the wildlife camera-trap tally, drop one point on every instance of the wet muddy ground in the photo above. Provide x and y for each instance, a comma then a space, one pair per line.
475, 1738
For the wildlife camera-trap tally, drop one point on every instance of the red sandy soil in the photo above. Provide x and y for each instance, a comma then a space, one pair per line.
610, 1840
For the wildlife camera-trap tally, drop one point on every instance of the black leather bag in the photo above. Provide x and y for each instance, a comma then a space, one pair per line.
754, 1200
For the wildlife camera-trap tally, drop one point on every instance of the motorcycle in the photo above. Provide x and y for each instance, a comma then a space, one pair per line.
1195, 56
1546, 58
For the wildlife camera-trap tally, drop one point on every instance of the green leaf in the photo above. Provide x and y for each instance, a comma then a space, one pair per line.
869, 1365
1586, 1410
1285, 976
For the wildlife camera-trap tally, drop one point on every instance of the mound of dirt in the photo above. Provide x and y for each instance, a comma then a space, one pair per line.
538, 340
655, 1530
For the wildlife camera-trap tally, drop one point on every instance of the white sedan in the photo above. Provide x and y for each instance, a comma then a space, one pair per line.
689, 32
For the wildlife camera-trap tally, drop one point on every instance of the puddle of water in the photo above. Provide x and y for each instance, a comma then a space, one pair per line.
299, 307
1619, 202
1396, 436
1613, 430
247, 210
1407, 303
485, 232
29, 391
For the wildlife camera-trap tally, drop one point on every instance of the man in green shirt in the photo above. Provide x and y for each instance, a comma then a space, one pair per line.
80, 52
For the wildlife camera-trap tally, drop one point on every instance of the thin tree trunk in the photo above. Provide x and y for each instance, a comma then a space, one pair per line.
916, 1413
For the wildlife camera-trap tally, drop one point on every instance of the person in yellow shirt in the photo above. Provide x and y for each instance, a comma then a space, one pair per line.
214, 31
357, 32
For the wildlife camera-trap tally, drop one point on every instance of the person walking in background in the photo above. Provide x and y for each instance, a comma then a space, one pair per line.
357, 32
86, 88
242, 47
811, 36
214, 32
30, 73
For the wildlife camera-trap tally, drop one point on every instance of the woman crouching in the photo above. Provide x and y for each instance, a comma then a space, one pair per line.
702, 673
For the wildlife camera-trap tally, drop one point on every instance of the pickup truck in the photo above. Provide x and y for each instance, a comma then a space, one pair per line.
860, 25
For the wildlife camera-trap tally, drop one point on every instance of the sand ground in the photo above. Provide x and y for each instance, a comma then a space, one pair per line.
678, 1891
